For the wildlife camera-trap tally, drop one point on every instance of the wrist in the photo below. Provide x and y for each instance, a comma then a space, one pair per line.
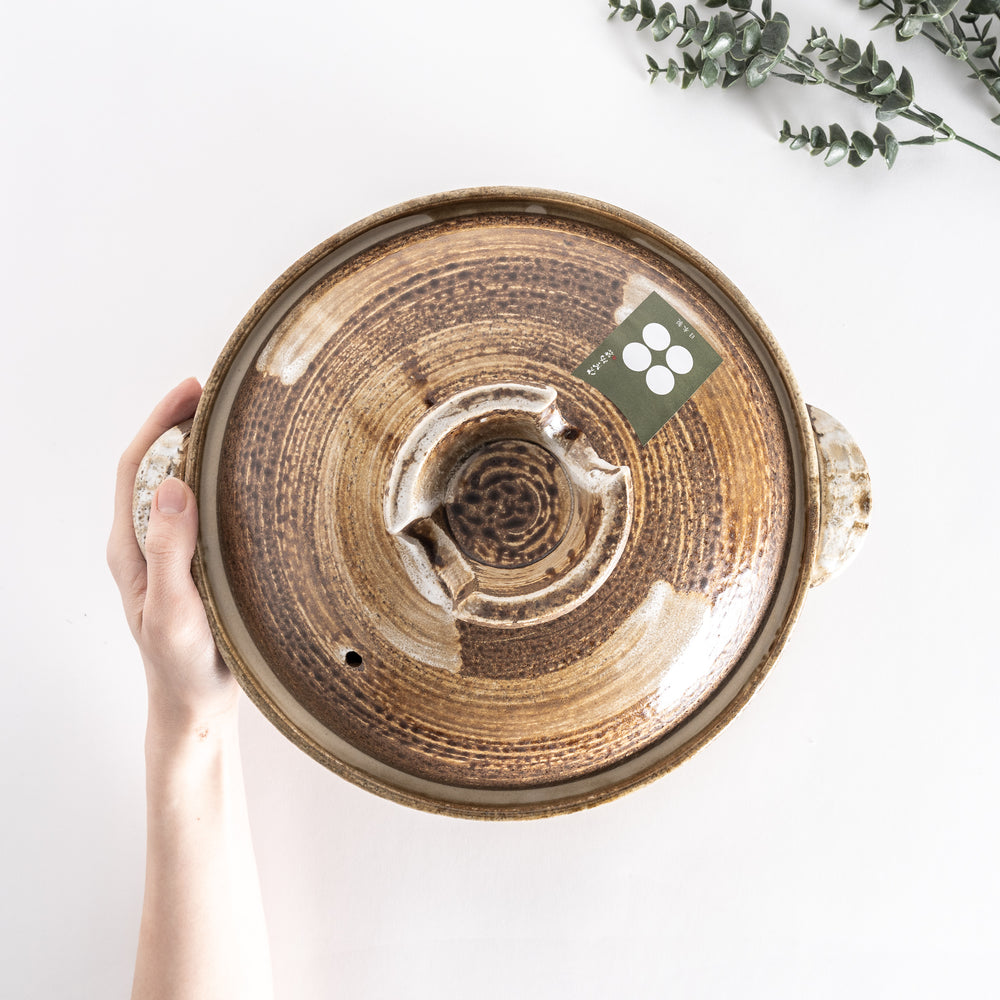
172, 730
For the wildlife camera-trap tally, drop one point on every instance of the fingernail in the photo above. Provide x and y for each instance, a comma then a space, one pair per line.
171, 497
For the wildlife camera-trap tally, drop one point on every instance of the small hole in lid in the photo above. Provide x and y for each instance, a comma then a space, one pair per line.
353, 658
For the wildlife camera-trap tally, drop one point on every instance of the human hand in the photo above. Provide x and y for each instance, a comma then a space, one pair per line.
188, 683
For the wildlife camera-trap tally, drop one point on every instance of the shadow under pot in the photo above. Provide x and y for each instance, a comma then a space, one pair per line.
508, 502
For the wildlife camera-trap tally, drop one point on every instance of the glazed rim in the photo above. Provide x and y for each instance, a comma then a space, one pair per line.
237, 647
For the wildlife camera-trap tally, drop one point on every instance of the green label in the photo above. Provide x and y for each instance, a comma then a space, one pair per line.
650, 365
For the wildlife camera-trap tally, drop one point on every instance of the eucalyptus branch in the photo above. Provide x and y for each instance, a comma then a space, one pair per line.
937, 21
741, 44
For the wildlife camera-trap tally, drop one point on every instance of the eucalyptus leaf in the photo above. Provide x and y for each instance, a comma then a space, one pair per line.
862, 145
883, 87
892, 106
837, 152
881, 136
751, 38
759, 69
943, 7
859, 74
662, 29
851, 51
774, 37
905, 84
884, 114
890, 151
720, 46
837, 134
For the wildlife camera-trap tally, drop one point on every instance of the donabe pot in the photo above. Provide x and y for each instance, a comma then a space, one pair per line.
508, 502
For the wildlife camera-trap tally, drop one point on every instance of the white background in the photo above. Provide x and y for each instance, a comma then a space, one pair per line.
163, 163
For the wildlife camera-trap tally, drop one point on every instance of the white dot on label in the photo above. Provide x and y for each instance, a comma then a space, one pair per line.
636, 356
656, 335
659, 380
680, 360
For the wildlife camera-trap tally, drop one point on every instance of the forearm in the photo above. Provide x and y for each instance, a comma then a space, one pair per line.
202, 932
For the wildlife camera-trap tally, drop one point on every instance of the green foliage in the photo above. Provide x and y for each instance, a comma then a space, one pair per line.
733, 42
968, 37
834, 145
722, 49
869, 78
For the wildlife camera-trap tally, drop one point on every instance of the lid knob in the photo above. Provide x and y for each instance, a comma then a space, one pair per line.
504, 513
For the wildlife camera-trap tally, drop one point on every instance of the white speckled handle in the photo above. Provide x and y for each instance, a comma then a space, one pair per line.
845, 496
165, 458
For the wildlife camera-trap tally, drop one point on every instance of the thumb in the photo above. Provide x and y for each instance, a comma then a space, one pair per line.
170, 542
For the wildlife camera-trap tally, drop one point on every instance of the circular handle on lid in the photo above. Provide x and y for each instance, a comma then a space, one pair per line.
504, 514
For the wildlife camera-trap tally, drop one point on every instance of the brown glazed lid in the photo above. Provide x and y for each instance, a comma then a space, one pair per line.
443, 560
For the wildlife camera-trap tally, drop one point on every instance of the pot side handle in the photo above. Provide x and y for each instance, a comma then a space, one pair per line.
845, 496
164, 459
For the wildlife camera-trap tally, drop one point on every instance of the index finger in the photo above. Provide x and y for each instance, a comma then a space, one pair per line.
124, 555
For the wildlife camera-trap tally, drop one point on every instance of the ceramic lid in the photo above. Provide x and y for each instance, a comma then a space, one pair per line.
455, 565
